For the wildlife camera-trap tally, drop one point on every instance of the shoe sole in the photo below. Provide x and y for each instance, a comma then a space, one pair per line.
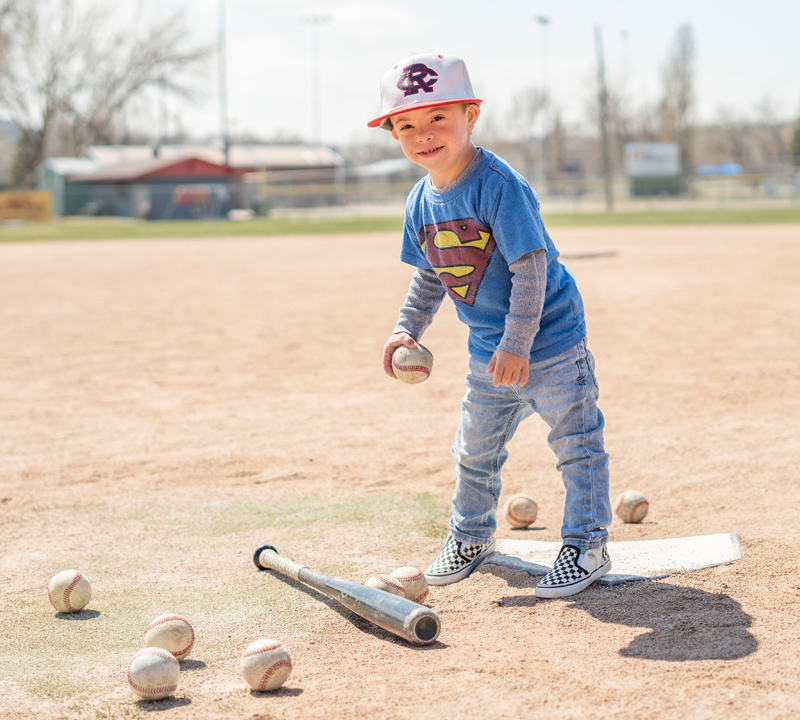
464, 572
572, 588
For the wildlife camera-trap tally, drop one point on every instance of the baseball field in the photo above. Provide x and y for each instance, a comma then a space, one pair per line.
170, 404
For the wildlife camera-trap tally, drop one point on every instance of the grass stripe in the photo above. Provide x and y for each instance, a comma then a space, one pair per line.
115, 228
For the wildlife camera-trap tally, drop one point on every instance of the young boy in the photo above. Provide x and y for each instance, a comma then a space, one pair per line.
473, 232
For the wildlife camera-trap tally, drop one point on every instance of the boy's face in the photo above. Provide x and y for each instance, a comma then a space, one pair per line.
438, 139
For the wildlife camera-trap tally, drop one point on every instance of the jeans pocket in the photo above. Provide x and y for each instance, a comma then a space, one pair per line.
585, 365
590, 364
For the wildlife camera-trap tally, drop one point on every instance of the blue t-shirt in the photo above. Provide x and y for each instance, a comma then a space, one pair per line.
470, 235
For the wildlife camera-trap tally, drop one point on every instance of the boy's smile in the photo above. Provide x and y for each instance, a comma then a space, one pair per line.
438, 139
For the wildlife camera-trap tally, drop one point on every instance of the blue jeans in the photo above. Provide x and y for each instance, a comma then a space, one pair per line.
563, 391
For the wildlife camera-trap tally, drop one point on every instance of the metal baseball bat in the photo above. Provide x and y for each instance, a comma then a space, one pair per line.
404, 618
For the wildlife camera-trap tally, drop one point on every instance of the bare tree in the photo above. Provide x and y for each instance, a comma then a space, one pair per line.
79, 64
730, 138
795, 144
773, 145
646, 123
526, 106
678, 100
10, 21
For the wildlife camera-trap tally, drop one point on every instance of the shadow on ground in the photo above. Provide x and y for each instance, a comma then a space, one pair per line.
80, 615
163, 705
684, 624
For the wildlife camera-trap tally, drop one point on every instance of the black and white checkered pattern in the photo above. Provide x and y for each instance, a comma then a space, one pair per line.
456, 561
570, 574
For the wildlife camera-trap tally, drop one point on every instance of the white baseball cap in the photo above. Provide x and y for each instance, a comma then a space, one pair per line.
422, 81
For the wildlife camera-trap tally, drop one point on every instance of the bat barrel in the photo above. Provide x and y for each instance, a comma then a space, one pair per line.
413, 622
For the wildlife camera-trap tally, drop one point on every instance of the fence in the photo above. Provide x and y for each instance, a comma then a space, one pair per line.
558, 194
387, 197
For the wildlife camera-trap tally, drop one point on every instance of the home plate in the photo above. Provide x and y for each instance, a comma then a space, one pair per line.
633, 560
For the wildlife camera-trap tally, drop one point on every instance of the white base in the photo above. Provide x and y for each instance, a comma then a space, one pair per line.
635, 560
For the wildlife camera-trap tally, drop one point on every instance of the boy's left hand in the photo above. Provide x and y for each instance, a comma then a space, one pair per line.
508, 369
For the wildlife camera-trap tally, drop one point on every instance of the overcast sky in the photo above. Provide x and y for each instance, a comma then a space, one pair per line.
746, 52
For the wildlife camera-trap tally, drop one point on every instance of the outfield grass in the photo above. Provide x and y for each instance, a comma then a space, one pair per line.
189, 557
116, 228
744, 216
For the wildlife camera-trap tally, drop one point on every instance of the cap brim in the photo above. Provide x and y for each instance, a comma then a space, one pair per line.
383, 120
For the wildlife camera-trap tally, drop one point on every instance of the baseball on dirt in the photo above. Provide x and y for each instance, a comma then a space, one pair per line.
266, 665
171, 632
69, 591
412, 365
153, 673
386, 583
520, 511
631, 506
413, 581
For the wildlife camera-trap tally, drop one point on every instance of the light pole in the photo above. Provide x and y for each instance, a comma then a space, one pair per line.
626, 58
316, 90
223, 83
545, 23
603, 103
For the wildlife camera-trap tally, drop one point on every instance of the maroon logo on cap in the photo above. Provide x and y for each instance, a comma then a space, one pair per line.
415, 78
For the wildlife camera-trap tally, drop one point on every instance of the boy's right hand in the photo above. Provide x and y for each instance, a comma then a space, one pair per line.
395, 341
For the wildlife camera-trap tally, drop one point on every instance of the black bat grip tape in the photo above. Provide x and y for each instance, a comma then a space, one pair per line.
257, 555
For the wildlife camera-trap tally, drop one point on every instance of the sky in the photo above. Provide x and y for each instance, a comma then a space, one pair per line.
746, 53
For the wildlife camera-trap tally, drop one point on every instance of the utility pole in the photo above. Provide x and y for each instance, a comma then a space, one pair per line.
546, 139
603, 99
316, 86
223, 83
626, 58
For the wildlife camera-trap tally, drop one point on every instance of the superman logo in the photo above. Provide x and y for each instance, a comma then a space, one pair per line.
459, 252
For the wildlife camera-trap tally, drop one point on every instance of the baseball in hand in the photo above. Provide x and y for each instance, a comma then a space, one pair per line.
631, 506
266, 665
413, 581
412, 365
386, 583
520, 511
171, 632
153, 673
69, 591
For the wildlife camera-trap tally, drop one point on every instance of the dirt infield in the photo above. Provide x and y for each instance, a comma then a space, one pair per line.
169, 405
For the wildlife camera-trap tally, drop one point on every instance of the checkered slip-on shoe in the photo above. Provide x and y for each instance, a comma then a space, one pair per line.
457, 560
573, 571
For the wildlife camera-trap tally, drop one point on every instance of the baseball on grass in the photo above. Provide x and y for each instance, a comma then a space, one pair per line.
69, 591
413, 582
631, 506
266, 665
386, 583
520, 511
153, 673
171, 632
412, 365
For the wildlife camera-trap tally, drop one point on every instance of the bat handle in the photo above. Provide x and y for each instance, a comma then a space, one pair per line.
267, 558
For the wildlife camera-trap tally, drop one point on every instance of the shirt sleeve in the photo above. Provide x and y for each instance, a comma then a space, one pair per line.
515, 220
528, 286
425, 295
411, 252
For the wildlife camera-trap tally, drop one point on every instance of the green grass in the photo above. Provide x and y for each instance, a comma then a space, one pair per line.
744, 216
193, 558
117, 228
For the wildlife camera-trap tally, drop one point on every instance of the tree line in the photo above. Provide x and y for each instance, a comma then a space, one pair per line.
70, 70
73, 72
